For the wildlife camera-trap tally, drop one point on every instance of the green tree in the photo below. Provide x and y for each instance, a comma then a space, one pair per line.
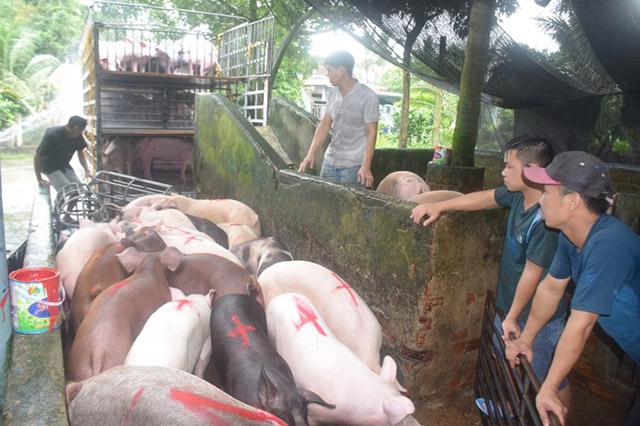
35, 36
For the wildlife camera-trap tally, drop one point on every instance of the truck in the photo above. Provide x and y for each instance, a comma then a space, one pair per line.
140, 77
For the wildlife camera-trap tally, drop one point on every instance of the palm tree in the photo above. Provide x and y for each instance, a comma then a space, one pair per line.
22, 70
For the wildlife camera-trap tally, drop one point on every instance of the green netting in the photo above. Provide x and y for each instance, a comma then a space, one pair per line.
558, 92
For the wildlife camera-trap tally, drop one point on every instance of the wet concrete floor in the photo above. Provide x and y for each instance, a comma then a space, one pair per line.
19, 186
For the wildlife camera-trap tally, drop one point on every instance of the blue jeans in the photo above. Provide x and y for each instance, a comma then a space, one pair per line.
342, 175
543, 347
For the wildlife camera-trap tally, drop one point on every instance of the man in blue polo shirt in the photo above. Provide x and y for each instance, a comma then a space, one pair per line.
602, 257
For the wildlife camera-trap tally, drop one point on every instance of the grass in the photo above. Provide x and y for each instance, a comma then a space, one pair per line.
17, 155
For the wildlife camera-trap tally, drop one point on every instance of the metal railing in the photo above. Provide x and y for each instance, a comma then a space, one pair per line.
115, 189
510, 393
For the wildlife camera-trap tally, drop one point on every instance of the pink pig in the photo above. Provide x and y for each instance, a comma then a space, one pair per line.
139, 395
167, 149
176, 335
77, 251
346, 314
323, 365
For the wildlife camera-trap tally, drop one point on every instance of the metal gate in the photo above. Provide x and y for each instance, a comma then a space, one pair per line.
510, 393
246, 52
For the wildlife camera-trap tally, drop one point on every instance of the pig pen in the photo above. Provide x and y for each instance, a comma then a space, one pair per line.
425, 285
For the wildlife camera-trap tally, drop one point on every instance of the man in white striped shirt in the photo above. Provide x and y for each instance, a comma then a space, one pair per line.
352, 118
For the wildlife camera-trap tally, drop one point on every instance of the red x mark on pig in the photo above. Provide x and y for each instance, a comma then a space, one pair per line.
189, 239
307, 316
240, 331
346, 287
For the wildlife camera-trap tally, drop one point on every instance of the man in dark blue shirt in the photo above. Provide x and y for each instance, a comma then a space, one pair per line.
56, 150
602, 257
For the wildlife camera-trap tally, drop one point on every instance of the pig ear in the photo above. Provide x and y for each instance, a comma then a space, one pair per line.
314, 398
389, 369
130, 258
210, 297
171, 257
397, 408
72, 390
267, 391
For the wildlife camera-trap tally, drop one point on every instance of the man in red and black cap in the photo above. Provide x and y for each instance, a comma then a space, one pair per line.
600, 254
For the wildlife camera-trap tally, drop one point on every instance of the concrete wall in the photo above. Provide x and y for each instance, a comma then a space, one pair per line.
426, 286
295, 127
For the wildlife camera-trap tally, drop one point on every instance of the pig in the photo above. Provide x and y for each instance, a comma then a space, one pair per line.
141, 395
168, 217
193, 242
160, 62
323, 365
211, 229
118, 155
101, 271
249, 367
219, 211
77, 251
402, 185
238, 234
200, 273
258, 254
135, 57
176, 335
167, 149
117, 315
434, 196
144, 239
347, 315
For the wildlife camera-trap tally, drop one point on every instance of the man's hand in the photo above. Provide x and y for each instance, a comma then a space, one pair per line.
548, 400
430, 209
517, 347
43, 182
308, 161
88, 174
365, 177
510, 326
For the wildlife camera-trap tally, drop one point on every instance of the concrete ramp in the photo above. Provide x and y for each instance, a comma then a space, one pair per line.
267, 133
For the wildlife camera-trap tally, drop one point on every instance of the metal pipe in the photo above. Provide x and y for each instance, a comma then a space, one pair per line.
117, 3
5, 305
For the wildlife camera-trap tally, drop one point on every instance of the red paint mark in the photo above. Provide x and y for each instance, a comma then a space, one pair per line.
2, 303
189, 239
307, 315
117, 286
200, 405
346, 287
183, 302
177, 228
240, 331
126, 418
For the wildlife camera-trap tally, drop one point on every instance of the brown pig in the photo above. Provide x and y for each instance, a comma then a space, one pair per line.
102, 270
117, 315
199, 273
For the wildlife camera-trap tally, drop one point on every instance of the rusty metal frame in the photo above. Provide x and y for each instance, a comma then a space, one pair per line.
512, 391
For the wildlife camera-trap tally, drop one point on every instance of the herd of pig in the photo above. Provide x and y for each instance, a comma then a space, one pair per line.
182, 313
119, 154
195, 56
